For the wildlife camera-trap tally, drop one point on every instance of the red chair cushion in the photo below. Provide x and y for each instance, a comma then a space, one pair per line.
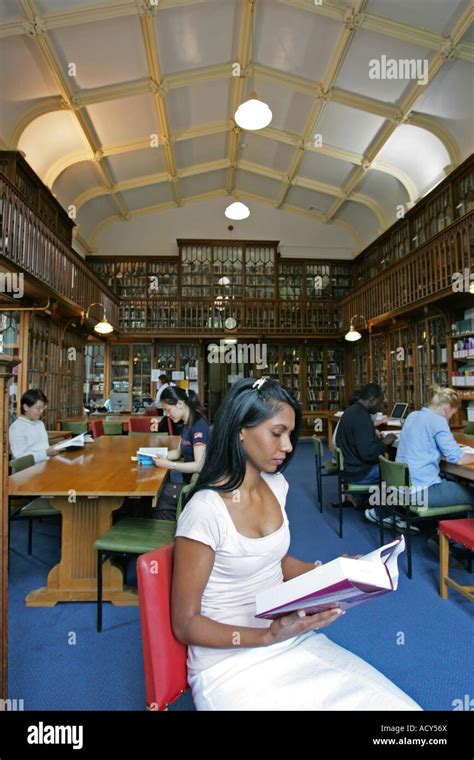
461, 531
164, 656
141, 425
97, 428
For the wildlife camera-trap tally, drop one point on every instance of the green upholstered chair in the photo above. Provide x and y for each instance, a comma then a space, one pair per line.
112, 428
35, 509
135, 536
468, 426
74, 427
324, 468
397, 474
345, 486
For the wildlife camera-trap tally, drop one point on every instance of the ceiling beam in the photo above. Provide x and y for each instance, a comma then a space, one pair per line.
147, 22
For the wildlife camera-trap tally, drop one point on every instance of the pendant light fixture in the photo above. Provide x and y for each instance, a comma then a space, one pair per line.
254, 113
237, 211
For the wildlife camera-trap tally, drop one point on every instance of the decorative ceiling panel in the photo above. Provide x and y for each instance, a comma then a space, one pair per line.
106, 52
143, 197
298, 43
348, 128
202, 183
126, 119
200, 150
250, 182
137, 163
420, 154
436, 15
332, 171
275, 155
195, 36
203, 103
310, 200
75, 180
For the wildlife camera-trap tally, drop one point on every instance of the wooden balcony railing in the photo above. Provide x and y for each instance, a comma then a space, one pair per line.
426, 272
199, 316
29, 243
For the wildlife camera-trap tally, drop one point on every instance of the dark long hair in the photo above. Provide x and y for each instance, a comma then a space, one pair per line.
172, 394
30, 397
243, 407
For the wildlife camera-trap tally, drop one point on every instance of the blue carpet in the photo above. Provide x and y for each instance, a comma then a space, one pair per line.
59, 662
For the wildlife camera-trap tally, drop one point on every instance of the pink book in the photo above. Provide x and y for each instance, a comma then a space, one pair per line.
343, 582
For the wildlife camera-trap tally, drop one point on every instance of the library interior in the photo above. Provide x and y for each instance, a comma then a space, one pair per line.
236, 300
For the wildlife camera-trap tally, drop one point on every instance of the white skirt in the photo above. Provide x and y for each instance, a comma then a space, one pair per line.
308, 672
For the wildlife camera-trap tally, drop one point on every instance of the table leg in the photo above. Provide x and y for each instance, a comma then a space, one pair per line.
74, 579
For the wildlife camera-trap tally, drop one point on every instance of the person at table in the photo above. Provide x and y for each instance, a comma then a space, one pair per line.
28, 434
424, 440
358, 440
232, 541
182, 407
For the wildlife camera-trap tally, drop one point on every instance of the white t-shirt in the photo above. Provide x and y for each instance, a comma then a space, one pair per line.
28, 437
159, 392
242, 565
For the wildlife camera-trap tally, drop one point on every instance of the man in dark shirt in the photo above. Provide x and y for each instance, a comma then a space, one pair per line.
357, 439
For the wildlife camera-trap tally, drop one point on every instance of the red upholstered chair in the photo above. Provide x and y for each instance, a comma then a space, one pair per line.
152, 411
461, 531
142, 425
164, 656
97, 428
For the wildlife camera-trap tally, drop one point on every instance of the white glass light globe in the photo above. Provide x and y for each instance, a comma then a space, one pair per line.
237, 211
253, 114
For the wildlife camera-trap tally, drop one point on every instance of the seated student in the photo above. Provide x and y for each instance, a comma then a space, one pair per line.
357, 439
424, 439
28, 434
231, 542
182, 408
353, 398
163, 383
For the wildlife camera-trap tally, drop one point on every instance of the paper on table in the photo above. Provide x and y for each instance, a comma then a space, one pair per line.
467, 449
76, 442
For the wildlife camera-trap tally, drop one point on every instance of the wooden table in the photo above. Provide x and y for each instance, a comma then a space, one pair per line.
465, 471
54, 436
86, 486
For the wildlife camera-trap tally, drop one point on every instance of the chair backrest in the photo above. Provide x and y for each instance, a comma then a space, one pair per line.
394, 473
185, 490
141, 425
74, 427
164, 656
17, 465
97, 428
339, 458
112, 428
318, 446
151, 411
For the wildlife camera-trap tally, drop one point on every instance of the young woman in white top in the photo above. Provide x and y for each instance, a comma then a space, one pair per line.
231, 542
28, 434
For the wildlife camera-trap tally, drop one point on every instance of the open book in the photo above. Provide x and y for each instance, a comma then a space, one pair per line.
146, 455
344, 582
77, 442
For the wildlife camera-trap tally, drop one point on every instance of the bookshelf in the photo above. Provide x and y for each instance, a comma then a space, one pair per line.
120, 368
290, 369
94, 375
315, 378
462, 378
335, 378
260, 272
290, 281
141, 375
379, 363
9, 344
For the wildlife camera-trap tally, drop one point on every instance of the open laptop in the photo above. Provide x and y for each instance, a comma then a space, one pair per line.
397, 415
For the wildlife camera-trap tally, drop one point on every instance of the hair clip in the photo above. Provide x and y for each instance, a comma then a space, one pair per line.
258, 383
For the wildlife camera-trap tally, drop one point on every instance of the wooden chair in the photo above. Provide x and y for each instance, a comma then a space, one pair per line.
345, 486
142, 425
461, 531
397, 474
35, 509
135, 536
97, 427
324, 468
164, 656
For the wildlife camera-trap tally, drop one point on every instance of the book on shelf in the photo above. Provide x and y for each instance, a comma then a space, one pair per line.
345, 582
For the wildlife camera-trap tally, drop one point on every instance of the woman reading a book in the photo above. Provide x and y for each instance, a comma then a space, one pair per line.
28, 434
231, 542
182, 407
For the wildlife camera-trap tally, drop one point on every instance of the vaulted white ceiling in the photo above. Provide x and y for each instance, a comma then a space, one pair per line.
125, 110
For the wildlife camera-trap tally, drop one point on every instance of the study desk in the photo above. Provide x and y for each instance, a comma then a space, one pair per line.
86, 486
465, 471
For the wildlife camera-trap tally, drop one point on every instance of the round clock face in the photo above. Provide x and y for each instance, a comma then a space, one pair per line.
230, 323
